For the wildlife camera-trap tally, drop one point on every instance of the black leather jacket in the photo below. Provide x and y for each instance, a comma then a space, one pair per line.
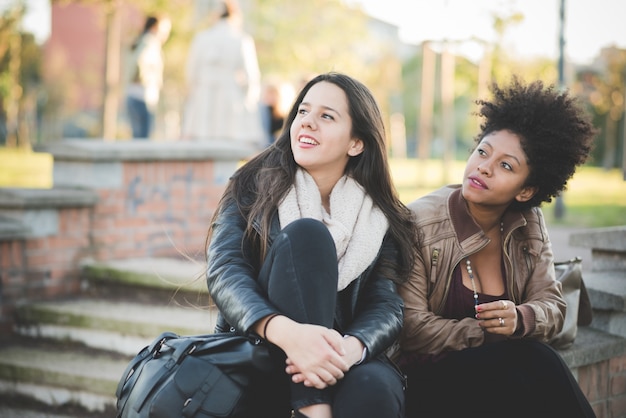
368, 309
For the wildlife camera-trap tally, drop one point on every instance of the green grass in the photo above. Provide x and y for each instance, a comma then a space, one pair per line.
25, 168
594, 197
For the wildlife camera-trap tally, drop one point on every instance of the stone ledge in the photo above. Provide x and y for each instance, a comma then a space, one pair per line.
607, 290
97, 150
609, 239
592, 346
18, 198
11, 229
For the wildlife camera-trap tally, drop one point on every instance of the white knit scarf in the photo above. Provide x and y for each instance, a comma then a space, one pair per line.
355, 223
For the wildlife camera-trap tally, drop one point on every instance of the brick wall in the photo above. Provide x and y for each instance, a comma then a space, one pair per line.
12, 277
162, 209
39, 257
109, 201
604, 384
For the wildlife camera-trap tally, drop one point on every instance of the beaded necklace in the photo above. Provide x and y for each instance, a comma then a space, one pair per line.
470, 272
468, 266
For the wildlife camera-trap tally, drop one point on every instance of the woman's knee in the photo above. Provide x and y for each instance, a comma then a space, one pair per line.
370, 390
535, 351
309, 232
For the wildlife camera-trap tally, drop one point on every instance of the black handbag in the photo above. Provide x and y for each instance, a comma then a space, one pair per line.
201, 376
578, 311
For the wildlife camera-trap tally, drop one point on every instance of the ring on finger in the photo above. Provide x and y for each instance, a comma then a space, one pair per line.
501, 322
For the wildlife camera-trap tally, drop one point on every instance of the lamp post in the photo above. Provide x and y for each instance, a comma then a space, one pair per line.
559, 205
112, 71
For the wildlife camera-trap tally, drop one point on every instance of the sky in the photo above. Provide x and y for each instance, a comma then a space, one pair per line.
37, 19
589, 24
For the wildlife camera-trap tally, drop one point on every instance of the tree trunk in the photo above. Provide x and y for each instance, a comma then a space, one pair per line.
447, 102
610, 143
12, 105
426, 104
112, 72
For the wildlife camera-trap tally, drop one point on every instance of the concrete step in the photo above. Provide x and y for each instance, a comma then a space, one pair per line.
152, 273
121, 326
607, 289
69, 355
13, 229
60, 374
607, 293
593, 346
18, 406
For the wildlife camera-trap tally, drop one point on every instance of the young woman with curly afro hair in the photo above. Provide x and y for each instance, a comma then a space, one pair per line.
483, 303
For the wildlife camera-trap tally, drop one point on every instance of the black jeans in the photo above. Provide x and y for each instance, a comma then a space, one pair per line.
513, 378
299, 275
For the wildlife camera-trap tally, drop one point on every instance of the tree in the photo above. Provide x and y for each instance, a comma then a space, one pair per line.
290, 45
602, 85
19, 76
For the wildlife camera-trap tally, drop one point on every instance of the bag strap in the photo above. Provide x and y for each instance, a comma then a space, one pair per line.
182, 346
191, 405
585, 312
141, 356
576, 259
131, 371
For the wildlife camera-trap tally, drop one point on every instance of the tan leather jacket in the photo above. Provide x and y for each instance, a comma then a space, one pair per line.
448, 234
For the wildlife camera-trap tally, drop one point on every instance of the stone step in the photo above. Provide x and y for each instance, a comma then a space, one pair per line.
607, 293
608, 247
593, 346
13, 229
73, 351
60, 373
121, 326
607, 289
166, 273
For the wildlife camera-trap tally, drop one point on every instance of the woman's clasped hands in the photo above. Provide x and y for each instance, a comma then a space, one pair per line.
498, 317
316, 356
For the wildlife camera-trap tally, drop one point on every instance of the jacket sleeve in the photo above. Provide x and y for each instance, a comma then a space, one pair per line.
231, 275
379, 309
424, 332
542, 292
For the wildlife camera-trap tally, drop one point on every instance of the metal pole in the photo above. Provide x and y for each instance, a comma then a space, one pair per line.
559, 206
112, 71
624, 133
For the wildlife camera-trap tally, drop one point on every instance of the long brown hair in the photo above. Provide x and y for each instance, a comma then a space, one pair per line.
274, 170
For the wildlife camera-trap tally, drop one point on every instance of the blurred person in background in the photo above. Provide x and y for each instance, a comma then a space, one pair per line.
146, 75
272, 116
223, 83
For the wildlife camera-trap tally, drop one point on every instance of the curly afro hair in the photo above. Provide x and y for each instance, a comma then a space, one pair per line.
555, 132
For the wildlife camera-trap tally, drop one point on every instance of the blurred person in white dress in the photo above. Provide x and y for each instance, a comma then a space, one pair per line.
223, 83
